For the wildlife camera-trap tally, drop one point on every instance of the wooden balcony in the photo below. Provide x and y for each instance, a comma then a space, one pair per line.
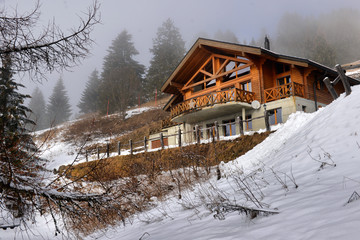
284, 91
195, 104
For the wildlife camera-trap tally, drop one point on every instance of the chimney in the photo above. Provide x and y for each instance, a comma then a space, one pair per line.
267, 43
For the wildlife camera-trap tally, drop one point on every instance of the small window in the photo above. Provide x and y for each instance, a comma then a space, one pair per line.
229, 128
211, 83
284, 80
248, 122
246, 86
275, 116
281, 68
303, 108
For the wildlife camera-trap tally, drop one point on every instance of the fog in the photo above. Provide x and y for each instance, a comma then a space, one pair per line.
141, 18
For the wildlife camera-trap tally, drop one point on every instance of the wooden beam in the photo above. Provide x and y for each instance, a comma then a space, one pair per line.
216, 76
202, 66
177, 85
206, 73
222, 66
231, 58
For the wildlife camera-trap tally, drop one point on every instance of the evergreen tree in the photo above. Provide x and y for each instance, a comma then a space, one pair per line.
12, 111
58, 109
37, 106
168, 50
121, 79
14, 140
90, 96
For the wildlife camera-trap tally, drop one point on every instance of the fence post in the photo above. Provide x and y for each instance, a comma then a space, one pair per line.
344, 79
86, 155
98, 152
267, 124
197, 134
212, 133
330, 88
119, 147
240, 125
179, 137
217, 131
145, 144
107, 150
162, 140
131, 146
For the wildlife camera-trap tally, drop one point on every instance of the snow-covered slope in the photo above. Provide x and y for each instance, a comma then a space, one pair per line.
320, 152
59, 152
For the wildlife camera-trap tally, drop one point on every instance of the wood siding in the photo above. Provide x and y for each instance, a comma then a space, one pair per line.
322, 94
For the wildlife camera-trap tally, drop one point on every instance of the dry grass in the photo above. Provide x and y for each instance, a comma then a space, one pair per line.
152, 163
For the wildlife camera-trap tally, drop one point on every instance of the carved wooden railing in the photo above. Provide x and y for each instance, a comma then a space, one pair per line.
283, 91
194, 104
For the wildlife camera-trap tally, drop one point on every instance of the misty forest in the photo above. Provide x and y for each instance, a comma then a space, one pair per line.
120, 106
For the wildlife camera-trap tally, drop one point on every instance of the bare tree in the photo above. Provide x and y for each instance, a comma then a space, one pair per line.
51, 49
25, 187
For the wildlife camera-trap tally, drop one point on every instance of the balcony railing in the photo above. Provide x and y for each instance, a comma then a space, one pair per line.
230, 95
284, 91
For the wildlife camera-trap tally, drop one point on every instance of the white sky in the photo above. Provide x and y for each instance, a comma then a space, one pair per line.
141, 18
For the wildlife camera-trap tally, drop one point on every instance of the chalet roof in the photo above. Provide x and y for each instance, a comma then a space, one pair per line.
203, 48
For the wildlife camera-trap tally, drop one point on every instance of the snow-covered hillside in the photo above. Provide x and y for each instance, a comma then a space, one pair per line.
320, 152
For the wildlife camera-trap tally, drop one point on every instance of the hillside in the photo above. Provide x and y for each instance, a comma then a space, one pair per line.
296, 184
306, 171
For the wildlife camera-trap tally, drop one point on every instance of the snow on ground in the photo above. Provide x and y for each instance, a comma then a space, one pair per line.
60, 153
320, 150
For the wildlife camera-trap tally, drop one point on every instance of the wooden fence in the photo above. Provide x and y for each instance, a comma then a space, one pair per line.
197, 134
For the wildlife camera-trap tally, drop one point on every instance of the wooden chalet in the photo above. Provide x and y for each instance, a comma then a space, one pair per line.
219, 81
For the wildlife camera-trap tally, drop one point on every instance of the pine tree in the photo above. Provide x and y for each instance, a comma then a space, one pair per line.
12, 111
58, 109
37, 106
168, 50
121, 79
14, 139
90, 96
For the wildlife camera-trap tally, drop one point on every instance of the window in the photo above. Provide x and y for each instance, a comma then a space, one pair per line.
246, 86
303, 108
200, 131
284, 80
285, 90
281, 68
229, 128
248, 122
211, 83
210, 130
275, 116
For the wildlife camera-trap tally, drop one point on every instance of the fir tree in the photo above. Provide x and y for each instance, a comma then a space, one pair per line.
168, 50
14, 140
90, 96
121, 81
37, 106
12, 111
58, 109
